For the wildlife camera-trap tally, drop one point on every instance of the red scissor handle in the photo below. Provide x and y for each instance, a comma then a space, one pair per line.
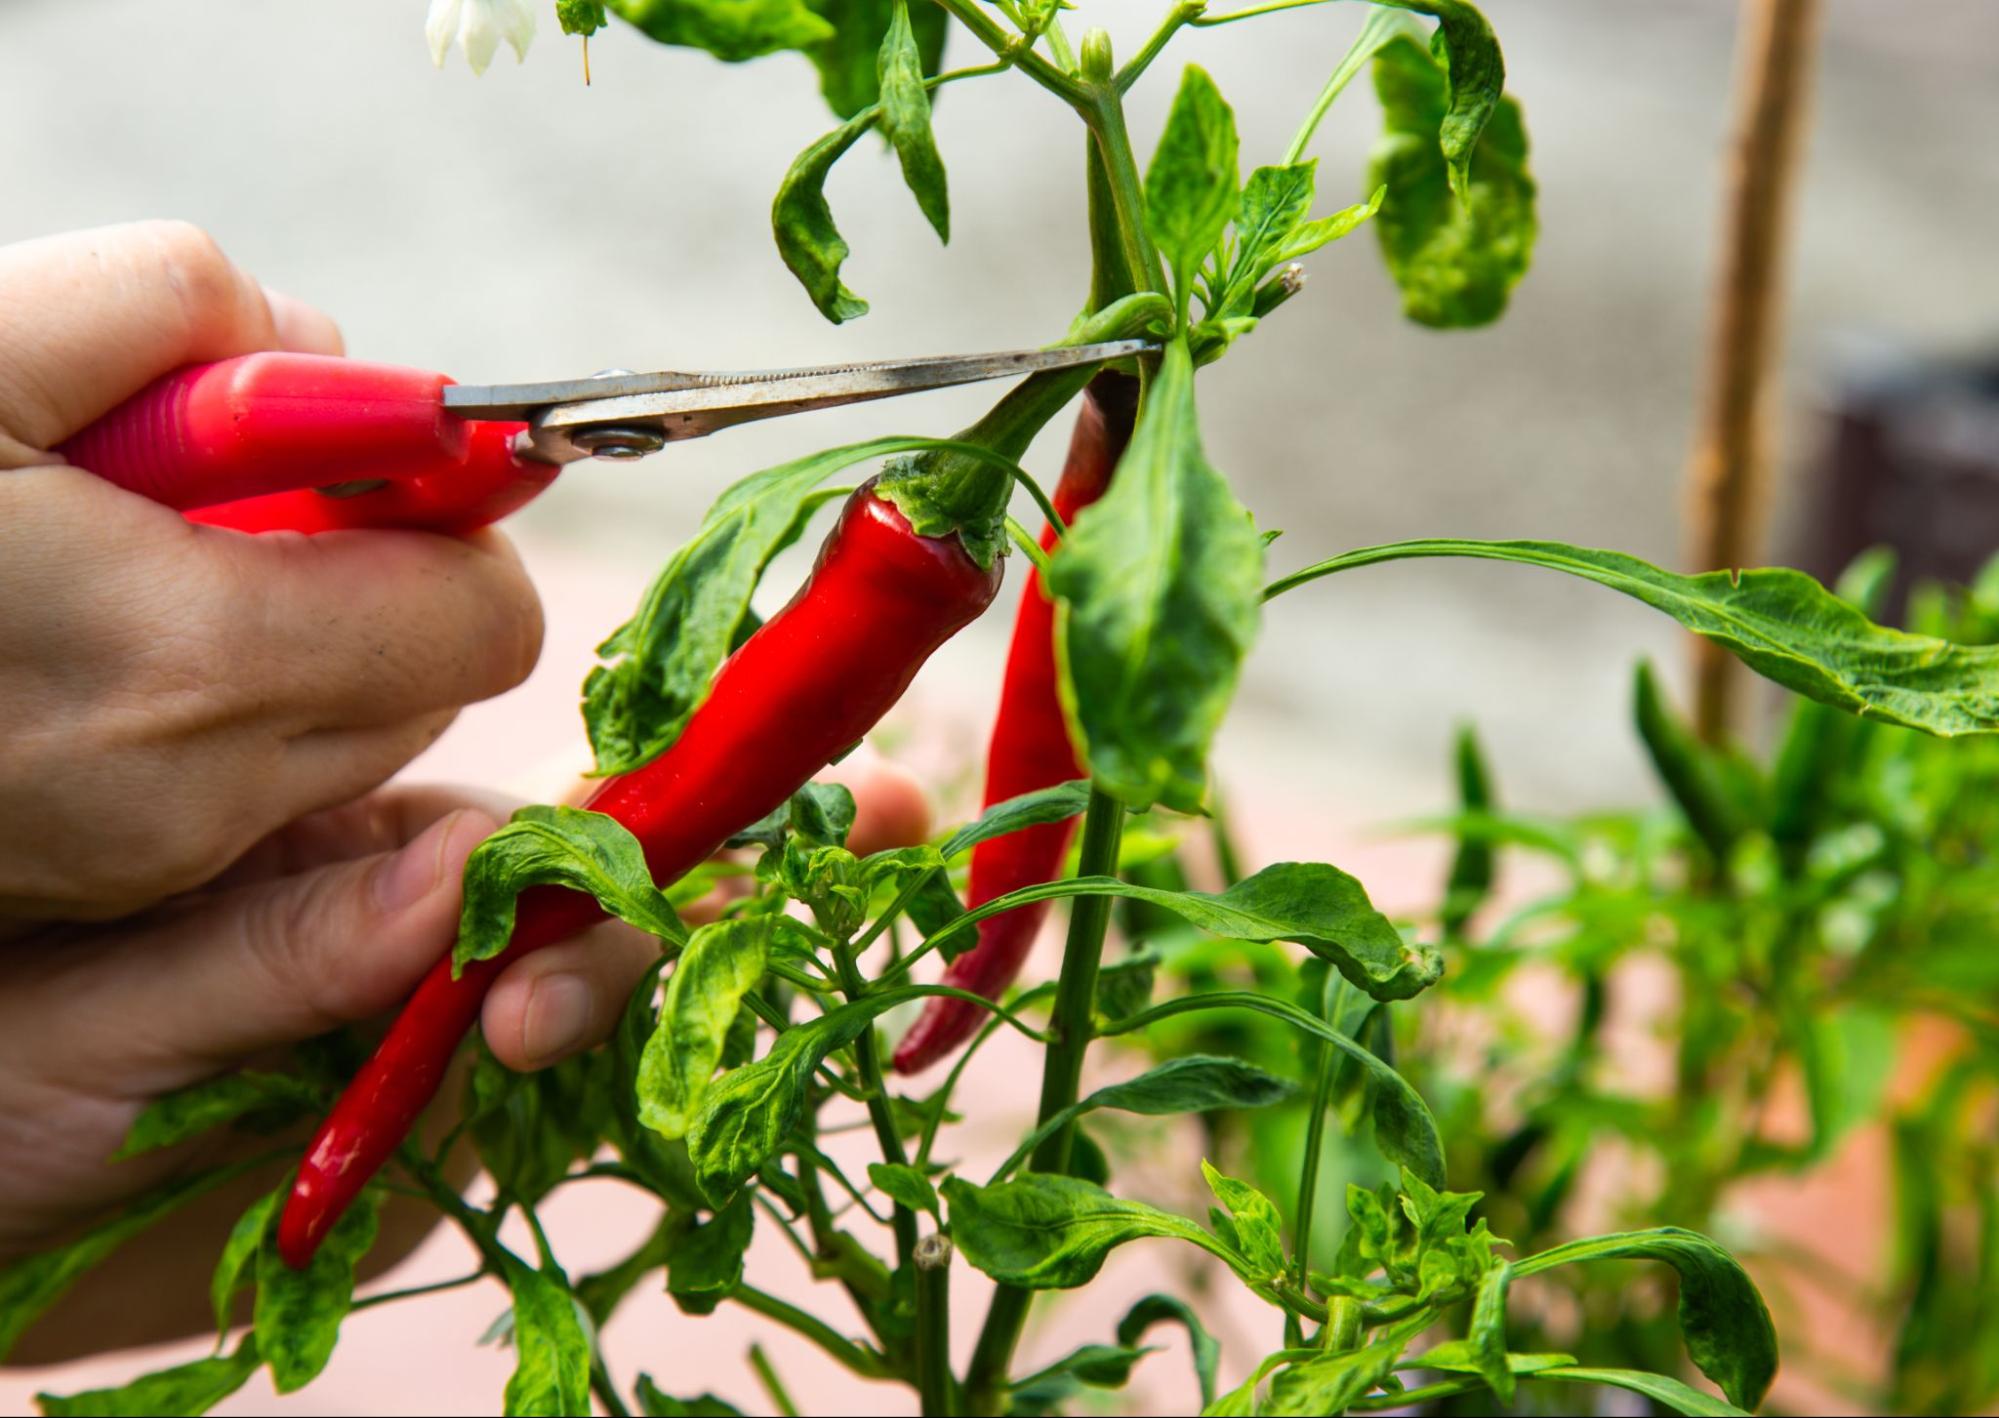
310, 443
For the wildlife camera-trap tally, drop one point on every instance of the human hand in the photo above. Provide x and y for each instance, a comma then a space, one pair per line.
327, 922
175, 693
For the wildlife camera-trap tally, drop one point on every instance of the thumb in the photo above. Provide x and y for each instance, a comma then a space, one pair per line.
270, 964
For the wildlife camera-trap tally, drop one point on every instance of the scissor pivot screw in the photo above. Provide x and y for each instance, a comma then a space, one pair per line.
620, 442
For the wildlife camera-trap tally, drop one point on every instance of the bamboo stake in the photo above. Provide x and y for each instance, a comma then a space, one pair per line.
1729, 474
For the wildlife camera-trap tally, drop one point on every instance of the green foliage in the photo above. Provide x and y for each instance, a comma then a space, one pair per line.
1159, 605
299, 1312
191, 1388
905, 120
1190, 188
1457, 235
731, 30
722, 963
557, 846
1779, 622
808, 241
584, 17
551, 1377
268, 1099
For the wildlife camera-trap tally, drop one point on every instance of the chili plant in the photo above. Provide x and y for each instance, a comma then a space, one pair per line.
758, 1033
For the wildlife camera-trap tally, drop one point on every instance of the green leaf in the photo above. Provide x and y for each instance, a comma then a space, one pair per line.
705, 1262
1692, 772
655, 1404
1310, 236
1049, 1232
1159, 605
189, 1112
1255, 1228
1044, 805
299, 1312
584, 17
1275, 201
239, 1251
1125, 987
531, 1128
28, 1287
551, 1377
184, 1389
664, 1165
1781, 623
905, 120
905, 1185
1488, 1331
1330, 1382
1167, 1309
1097, 1365
1456, 252
1474, 75
1190, 186
722, 963
747, 1112
557, 846
1470, 879
823, 813
1404, 1128
731, 30
848, 60
1723, 1319
1848, 1056
1194, 1083
807, 239
1460, 1356
1308, 903
1657, 1387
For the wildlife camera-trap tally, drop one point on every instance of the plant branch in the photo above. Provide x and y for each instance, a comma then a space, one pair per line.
1014, 50
867, 1060
1732, 447
1187, 12
842, 1350
1070, 1031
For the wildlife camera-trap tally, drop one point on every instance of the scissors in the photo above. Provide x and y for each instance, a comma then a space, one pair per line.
315, 443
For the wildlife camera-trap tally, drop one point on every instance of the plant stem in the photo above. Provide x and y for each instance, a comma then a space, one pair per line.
849, 1354
1070, 1030
1731, 452
1014, 49
1104, 112
1315, 1144
934, 1384
1186, 12
868, 1060
773, 1385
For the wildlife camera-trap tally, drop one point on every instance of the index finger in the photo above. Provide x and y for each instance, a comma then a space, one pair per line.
90, 318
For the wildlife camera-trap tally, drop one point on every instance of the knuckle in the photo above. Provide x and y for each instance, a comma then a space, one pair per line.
207, 287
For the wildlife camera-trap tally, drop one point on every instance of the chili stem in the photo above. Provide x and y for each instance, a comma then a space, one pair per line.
1773, 89
1070, 1030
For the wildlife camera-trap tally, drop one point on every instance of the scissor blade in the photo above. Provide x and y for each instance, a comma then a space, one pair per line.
693, 398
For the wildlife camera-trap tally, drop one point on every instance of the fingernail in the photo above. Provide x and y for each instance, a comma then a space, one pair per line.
415, 871
557, 1018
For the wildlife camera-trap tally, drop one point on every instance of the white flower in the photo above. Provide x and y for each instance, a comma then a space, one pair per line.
479, 26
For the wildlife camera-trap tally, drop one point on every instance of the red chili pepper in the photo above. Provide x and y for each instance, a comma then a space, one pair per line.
1030, 750
805, 687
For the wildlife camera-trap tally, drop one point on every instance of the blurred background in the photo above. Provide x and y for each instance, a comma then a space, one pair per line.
522, 226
